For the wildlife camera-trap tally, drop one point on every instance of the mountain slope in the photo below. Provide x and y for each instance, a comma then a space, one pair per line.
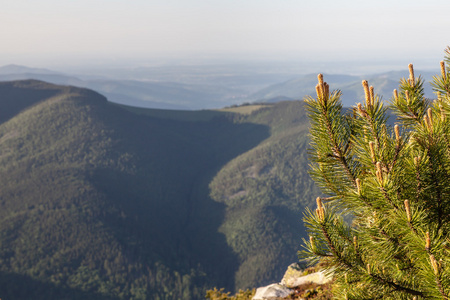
265, 191
101, 201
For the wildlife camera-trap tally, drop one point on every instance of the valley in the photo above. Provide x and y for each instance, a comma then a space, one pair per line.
102, 200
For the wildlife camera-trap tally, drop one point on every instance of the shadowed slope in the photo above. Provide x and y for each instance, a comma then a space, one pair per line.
101, 200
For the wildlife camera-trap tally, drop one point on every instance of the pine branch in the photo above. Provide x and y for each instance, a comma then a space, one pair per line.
338, 154
395, 286
368, 169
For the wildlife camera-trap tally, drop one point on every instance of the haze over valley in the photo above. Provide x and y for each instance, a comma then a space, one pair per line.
212, 86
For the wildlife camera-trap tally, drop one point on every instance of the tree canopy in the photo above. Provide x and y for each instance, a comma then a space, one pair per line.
382, 223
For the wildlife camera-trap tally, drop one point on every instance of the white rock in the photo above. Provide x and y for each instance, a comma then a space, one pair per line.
273, 291
294, 281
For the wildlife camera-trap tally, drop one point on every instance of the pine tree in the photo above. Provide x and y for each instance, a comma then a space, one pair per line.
382, 224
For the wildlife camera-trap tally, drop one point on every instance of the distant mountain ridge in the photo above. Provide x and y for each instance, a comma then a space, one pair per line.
211, 89
100, 201
18, 69
140, 93
384, 84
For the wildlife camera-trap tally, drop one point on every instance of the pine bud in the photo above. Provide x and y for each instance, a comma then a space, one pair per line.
411, 75
358, 185
326, 90
427, 122
379, 176
321, 86
320, 78
311, 241
366, 92
372, 151
379, 172
443, 69
441, 109
320, 89
319, 202
427, 241
430, 118
396, 95
397, 133
320, 209
372, 95
407, 96
434, 264
318, 92
408, 210
361, 110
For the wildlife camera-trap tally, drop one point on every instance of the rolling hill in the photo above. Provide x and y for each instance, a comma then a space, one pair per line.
102, 201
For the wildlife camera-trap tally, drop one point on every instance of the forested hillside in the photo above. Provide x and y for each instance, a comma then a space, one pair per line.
99, 201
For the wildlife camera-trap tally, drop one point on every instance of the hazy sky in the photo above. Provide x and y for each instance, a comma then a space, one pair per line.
55, 32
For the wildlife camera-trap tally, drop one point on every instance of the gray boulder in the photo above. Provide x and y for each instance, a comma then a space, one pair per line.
295, 277
273, 291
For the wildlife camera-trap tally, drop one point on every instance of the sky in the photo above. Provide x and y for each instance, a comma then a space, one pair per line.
68, 32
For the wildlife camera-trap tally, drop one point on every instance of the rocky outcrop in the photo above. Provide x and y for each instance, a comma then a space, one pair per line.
273, 291
294, 278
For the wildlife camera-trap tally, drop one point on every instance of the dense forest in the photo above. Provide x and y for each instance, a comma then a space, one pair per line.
100, 201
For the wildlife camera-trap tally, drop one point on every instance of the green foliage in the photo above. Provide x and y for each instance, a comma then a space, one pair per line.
393, 186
